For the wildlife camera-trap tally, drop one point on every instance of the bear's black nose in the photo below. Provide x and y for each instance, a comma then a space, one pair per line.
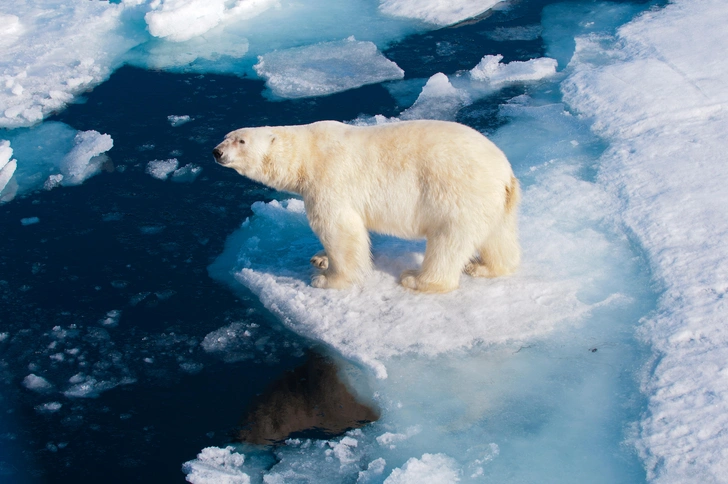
217, 154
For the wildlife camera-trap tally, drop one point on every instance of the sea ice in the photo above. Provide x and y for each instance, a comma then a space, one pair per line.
178, 120
430, 469
161, 169
325, 68
439, 99
53, 154
29, 221
215, 465
37, 383
658, 95
7, 166
491, 70
438, 12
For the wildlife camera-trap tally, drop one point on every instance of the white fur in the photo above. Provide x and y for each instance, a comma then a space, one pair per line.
434, 179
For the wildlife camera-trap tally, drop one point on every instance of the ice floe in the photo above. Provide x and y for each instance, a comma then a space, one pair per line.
325, 68
438, 12
657, 93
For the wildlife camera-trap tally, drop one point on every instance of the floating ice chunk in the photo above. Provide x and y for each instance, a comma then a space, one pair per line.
161, 169
53, 181
430, 469
389, 439
29, 221
50, 407
37, 383
112, 318
325, 68
7, 166
180, 20
233, 342
491, 70
178, 120
439, 99
373, 472
90, 387
187, 173
438, 12
217, 466
85, 160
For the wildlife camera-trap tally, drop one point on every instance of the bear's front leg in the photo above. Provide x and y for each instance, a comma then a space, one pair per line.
320, 260
346, 254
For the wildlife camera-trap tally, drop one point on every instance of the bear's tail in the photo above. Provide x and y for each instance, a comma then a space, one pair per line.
513, 195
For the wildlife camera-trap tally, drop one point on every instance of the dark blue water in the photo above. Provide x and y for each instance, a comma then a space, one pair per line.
126, 241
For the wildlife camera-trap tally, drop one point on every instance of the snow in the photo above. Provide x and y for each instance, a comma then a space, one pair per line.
437, 12
657, 93
325, 68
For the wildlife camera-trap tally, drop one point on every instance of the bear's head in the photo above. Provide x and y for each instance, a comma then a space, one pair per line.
246, 151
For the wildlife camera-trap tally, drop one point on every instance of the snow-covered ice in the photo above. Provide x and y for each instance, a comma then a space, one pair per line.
657, 93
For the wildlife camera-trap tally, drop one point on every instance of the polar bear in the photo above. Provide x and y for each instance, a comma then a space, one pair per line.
437, 180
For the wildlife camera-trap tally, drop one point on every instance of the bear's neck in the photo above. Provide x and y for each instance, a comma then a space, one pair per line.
284, 167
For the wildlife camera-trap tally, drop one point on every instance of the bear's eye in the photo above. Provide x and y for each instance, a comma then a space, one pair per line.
241, 141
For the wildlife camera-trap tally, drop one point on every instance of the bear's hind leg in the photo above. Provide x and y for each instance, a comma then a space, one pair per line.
445, 257
500, 254
346, 255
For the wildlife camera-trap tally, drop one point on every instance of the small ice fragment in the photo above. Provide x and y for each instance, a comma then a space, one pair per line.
187, 173
112, 318
29, 221
50, 407
214, 464
491, 70
431, 469
161, 169
53, 181
36, 383
178, 120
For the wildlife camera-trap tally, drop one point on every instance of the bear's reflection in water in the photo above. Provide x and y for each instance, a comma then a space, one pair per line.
309, 401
